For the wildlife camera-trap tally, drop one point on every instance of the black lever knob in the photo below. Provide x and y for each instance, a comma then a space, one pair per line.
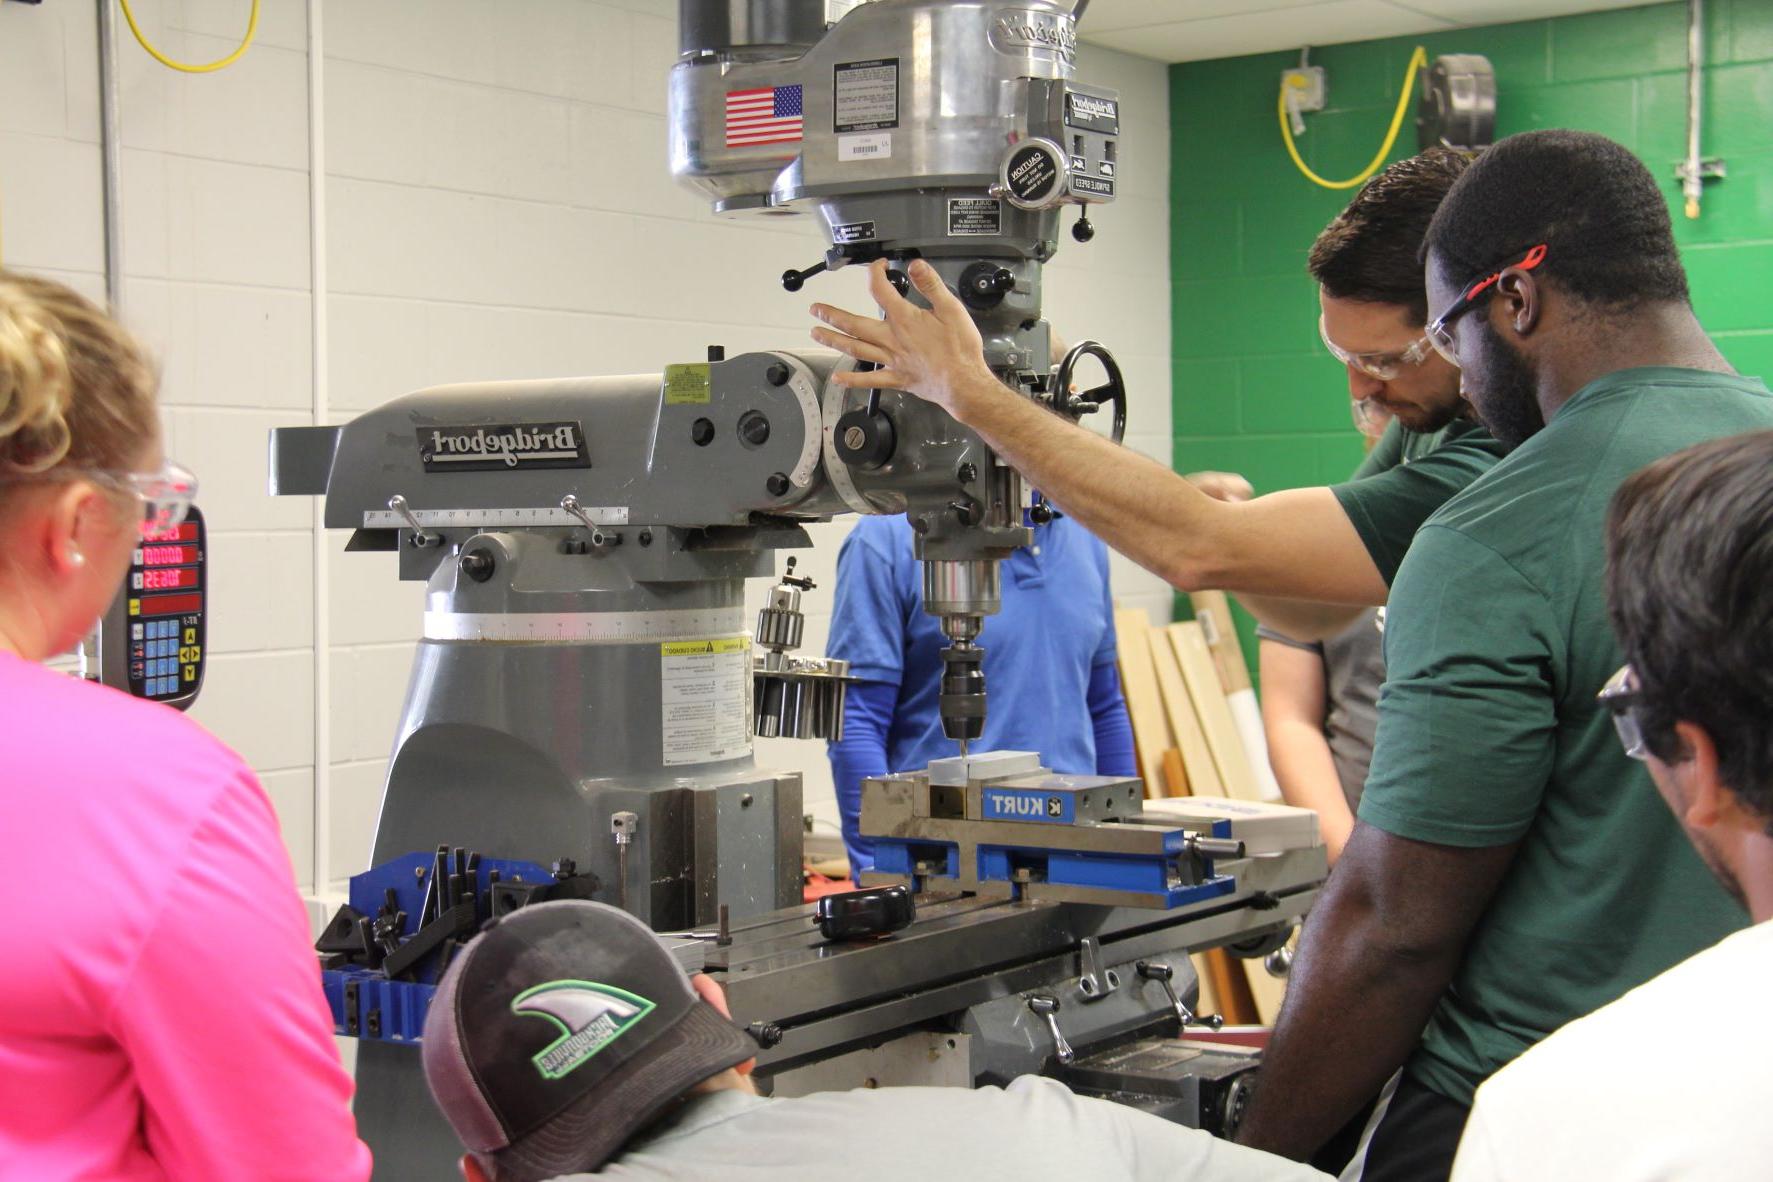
1081, 229
792, 279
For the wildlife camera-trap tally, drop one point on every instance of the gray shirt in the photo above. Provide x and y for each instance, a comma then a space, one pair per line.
1033, 1129
1354, 669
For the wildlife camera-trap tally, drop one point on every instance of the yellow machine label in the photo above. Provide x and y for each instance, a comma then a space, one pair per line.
699, 648
705, 699
686, 385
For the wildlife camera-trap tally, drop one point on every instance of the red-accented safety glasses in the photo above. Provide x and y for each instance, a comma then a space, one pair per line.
1439, 329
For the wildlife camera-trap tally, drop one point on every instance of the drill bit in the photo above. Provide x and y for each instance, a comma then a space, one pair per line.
963, 748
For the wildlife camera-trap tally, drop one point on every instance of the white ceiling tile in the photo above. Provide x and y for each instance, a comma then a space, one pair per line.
1469, 13
1192, 30
1257, 32
1108, 16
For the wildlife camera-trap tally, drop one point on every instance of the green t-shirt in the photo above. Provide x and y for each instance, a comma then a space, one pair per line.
1406, 477
1496, 642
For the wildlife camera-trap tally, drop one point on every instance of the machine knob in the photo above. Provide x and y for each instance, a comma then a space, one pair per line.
778, 484
754, 428
1048, 1008
793, 280
702, 432
1081, 229
477, 564
865, 439
984, 285
1040, 512
777, 374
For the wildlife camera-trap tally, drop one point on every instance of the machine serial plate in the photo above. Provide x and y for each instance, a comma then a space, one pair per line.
493, 518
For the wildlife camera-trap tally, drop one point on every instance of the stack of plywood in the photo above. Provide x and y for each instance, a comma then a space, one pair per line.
1186, 686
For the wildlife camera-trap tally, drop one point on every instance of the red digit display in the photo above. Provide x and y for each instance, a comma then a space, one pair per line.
178, 533
168, 555
169, 579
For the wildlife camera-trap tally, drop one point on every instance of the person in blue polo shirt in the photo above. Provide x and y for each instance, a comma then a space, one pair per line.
1049, 663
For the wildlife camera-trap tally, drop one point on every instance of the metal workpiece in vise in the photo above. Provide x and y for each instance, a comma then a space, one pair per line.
794, 697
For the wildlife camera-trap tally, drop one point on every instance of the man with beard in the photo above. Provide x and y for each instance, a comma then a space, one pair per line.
1510, 868
1690, 592
1341, 544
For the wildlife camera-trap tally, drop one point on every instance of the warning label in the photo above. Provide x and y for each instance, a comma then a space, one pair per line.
970, 217
853, 232
705, 699
686, 384
866, 95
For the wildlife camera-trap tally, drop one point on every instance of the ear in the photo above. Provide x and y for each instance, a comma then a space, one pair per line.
80, 521
1519, 299
471, 1169
1709, 801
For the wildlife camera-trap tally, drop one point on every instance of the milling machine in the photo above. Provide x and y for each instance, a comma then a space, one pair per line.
586, 690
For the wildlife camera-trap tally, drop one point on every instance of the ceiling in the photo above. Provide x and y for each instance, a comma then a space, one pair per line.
1190, 30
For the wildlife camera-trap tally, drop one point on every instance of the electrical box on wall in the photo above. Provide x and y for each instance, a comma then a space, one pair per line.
1306, 87
1458, 104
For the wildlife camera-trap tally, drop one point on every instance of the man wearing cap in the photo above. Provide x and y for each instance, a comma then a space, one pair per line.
565, 1039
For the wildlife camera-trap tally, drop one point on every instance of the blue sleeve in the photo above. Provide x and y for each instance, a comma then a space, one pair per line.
1108, 650
867, 713
1114, 731
867, 609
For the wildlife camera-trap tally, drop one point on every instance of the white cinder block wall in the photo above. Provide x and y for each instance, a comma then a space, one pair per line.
495, 204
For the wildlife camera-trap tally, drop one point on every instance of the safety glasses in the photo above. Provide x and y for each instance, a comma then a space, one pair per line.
165, 496
1622, 697
1383, 366
1440, 329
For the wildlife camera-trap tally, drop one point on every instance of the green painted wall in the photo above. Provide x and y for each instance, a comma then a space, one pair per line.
1254, 390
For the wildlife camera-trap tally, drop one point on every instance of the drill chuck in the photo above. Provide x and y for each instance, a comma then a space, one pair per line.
963, 691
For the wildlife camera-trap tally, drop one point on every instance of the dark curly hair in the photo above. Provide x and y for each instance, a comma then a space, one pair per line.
1372, 250
1690, 594
1589, 200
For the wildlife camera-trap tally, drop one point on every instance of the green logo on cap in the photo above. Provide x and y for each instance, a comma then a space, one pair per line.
590, 1017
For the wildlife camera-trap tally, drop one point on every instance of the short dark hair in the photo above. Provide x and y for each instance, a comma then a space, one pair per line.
1690, 593
1372, 250
1589, 200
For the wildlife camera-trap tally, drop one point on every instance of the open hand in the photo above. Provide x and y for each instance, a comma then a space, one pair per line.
935, 353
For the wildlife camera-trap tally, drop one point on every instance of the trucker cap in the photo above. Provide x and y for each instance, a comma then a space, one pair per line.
562, 1030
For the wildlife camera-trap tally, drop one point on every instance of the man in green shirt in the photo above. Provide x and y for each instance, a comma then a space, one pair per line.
1275, 550
1511, 869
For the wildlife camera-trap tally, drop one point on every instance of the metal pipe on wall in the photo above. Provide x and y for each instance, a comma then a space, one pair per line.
1693, 170
111, 152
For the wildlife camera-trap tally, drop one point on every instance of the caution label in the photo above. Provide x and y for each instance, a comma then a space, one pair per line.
686, 385
705, 699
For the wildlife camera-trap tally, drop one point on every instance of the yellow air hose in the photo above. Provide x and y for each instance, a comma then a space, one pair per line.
1418, 60
252, 28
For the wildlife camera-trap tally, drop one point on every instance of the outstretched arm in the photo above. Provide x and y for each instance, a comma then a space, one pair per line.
1298, 543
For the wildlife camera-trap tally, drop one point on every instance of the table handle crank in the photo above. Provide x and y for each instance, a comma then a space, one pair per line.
1048, 1008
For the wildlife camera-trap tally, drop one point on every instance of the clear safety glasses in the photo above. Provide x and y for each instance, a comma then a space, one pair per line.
1622, 697
1383, 366
166, 496
1440, 329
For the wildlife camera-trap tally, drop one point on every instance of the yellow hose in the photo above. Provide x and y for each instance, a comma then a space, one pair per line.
1418, 60
252, 28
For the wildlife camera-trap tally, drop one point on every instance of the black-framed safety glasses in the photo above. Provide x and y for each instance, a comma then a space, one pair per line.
1440, 329
1623, 698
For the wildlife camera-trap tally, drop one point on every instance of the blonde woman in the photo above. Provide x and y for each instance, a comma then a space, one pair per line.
160, 1011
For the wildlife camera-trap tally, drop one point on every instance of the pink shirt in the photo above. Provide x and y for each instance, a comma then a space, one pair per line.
160, 1006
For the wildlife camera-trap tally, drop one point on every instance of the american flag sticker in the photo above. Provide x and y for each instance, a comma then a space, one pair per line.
766, 115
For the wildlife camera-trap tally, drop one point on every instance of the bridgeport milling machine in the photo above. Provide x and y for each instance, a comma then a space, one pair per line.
586, 689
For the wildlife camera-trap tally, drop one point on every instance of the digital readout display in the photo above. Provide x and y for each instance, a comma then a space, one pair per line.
168, 555
186, 532
168, 578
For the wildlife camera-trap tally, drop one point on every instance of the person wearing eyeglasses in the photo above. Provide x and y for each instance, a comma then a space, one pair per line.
1690, 594
1336, 547
160, 1012
1510, 869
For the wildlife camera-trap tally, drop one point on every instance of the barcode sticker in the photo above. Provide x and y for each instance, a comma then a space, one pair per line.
873, 145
